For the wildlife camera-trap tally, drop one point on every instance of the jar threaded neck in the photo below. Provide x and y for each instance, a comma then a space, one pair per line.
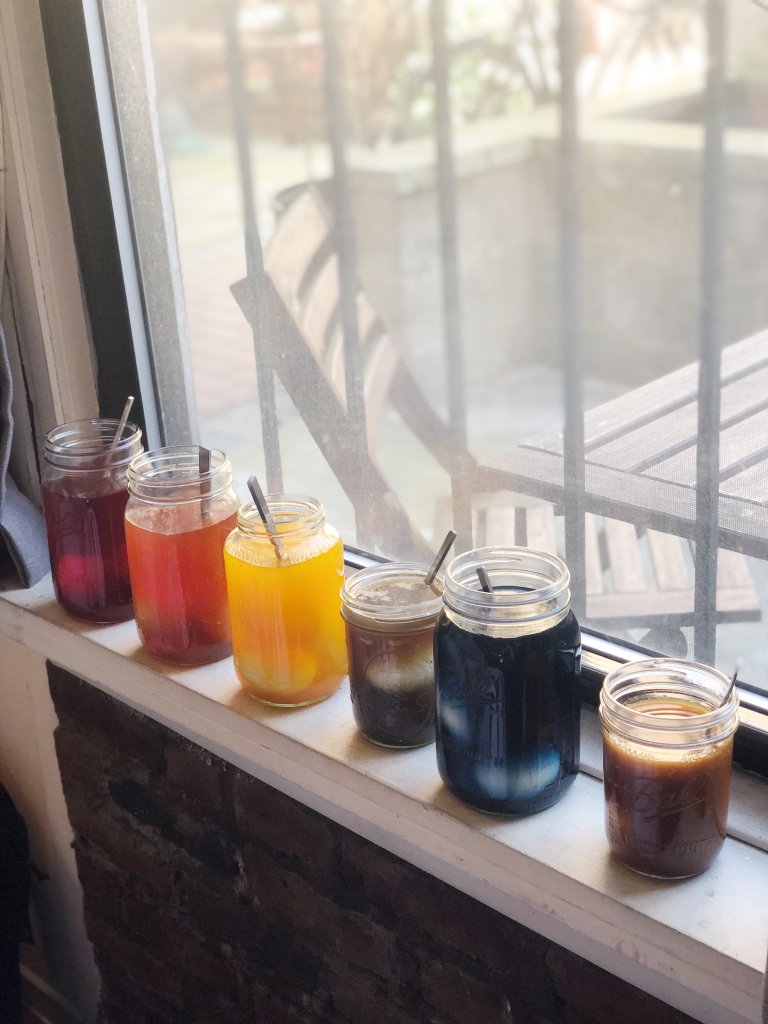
171, 475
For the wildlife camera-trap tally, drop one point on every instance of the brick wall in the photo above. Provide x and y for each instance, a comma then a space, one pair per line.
210, 897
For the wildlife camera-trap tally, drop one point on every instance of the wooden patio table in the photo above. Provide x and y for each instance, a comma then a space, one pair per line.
641, 454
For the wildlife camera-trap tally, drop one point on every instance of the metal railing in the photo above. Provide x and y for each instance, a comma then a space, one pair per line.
570, 292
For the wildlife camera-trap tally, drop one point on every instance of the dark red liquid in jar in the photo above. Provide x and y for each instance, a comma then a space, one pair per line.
179, 586
666, 810
86, 539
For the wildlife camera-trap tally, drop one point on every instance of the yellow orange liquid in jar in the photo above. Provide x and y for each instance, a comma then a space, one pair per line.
285, 603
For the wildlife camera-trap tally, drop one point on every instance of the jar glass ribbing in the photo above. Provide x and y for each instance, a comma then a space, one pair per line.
667, 751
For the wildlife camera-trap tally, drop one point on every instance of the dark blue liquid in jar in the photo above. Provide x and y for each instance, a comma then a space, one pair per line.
508, 715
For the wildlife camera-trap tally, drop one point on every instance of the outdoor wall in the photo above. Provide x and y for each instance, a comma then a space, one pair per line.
641, 193
210, 897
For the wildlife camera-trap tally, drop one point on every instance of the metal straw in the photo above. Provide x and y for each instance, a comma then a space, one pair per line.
729, 691
204, 468
445, 547
121, 424
266, 516
485, 583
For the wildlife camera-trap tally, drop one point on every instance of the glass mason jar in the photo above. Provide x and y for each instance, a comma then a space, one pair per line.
507, 667
667, 750
390, 615
285, 602
176, 523
84, 496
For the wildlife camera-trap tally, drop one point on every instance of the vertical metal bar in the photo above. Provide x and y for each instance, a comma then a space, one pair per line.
254, 258
521, 527
461, 484
570, 307
346, 246
713, 202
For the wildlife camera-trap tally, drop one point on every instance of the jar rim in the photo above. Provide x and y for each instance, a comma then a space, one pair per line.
668, 676
91, 439
531, 587
361, 604
171, 475
289, 511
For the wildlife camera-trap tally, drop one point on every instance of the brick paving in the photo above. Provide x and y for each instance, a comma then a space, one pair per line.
223, 362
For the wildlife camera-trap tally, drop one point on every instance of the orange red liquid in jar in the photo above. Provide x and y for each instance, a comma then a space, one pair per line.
287, 632
179, 587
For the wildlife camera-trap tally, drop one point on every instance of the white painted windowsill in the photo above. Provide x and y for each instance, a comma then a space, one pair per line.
699, 945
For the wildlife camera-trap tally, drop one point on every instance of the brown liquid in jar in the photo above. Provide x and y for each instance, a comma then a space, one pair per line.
666, 809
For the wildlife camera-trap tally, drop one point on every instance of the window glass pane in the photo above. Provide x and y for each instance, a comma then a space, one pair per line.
515, 280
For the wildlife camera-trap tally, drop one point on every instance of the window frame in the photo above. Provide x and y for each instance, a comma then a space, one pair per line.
80, 24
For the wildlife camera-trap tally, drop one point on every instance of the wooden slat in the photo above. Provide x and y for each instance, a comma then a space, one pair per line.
326, 420
733, 604
366, 316
500, 527
594, 569
751, 484
379, 371
300, 234
732, 570
669, 562
740, 445
656, 398
541, 529
667, 435
659, 504
320, 311
625, 559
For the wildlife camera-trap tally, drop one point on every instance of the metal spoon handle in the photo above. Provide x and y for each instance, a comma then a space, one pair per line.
445, 547
121, 424
485, 583
266, 516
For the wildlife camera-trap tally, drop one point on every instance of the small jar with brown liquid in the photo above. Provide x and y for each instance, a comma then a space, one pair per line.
667, 750
390, 614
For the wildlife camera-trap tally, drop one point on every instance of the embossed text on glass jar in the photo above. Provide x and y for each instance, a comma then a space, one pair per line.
85, 492
390, 615
507, 669
285, 602
667, 750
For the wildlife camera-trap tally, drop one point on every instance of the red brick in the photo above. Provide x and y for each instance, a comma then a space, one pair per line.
84, 708
462, 998
271, 1010
361, 997
284, 824
172, 943
124, 846
219, 907
447, 916
603, 998
103, 885
349, 934
118, 955
194, 772
81, 760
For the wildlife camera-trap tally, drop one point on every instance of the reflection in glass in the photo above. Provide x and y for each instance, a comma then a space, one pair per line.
598, 292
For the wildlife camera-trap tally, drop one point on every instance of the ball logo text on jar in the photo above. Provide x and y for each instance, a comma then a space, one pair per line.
667, 750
